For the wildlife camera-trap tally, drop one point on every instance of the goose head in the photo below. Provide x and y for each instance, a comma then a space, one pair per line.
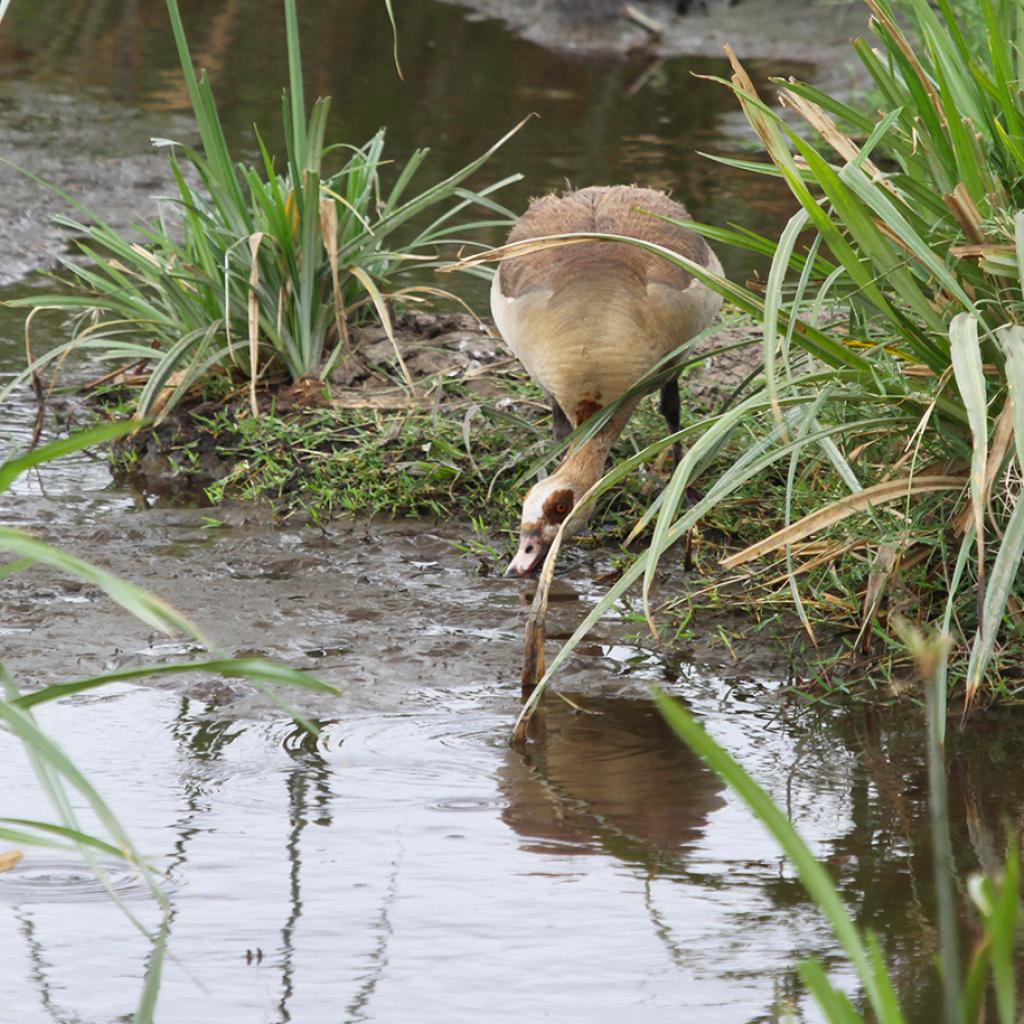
545, 508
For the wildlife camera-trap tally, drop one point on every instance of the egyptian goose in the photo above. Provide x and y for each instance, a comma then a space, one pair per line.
588, 321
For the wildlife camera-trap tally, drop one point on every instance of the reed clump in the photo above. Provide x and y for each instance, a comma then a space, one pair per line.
259, 269
891, 402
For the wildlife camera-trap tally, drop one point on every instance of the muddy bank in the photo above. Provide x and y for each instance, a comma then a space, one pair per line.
802, 31
98, 152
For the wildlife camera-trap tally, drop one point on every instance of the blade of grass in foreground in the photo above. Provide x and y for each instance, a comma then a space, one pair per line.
11, 469
255, 670
815, 878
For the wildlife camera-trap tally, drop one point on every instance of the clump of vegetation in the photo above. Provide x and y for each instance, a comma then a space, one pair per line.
907, 415
918, 233
445, 456
260, 269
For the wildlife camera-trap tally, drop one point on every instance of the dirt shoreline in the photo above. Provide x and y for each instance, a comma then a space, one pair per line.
436, 347
803, 31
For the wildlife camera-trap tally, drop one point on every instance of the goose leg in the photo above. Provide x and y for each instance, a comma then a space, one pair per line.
560, 422
670, 409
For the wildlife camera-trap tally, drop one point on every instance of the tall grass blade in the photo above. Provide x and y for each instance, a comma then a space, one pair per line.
930, 654
296, 91
969, 373
146, 1009
394, 38
254, 669
33, 838
836, 1006
773, 303
813, 875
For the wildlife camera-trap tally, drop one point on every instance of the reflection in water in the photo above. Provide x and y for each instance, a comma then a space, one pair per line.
357, 1009
309, 797
310, 774
613, 778
610, 786
40, 964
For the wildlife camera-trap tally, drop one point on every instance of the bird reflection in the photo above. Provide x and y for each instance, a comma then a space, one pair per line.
613, 778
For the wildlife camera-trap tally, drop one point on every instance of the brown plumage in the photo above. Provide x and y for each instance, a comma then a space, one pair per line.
612, 210
589, 320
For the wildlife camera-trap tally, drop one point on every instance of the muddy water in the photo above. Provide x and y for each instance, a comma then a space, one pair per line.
407, 866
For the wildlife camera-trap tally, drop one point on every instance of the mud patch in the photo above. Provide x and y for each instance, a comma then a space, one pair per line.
96, 151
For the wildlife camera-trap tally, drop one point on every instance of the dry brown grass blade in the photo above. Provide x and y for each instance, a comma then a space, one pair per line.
254, 321
818, 119
982, 250
1002, 438
507, 252
968, 215
644, 20
879, 494
896, 238
167, 391
9, 858
329, 230
414, 292
829, 554
362, 400
751, 103
381, 306
882, 570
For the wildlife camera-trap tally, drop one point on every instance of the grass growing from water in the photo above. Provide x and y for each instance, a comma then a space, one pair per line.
260, 269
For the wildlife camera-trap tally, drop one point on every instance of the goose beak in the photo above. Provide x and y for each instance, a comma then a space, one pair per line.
529, 556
